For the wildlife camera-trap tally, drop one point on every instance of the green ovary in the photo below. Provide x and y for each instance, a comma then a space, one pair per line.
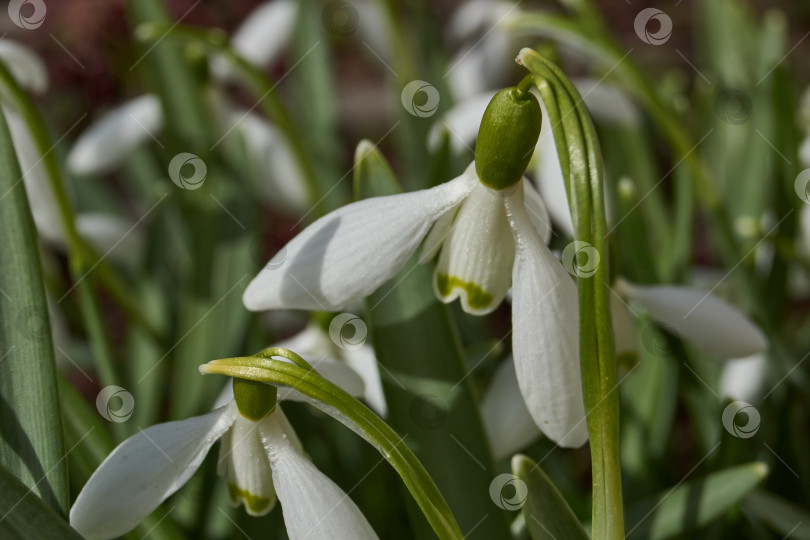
477, 298
255, 504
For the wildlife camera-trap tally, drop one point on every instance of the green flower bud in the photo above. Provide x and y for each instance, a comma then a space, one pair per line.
254, 399
506, 140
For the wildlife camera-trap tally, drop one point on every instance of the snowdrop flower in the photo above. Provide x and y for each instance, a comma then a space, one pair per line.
489, 228
703, 319
261, 38
30, 73
259, 454
605, 102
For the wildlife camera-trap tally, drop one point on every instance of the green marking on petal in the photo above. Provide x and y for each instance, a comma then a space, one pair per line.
477, 298
254, 504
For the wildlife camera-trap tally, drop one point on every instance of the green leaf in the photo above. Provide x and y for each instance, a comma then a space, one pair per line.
24, 515
694, 504
786, 519
429, 394
547, 515
31, 443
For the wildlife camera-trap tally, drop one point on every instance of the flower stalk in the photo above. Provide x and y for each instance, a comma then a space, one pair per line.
581, 164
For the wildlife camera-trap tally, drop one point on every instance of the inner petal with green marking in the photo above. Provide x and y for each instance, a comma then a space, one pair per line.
243, 461
477, 254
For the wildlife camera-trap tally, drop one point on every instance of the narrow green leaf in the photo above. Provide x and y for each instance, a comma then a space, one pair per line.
785, 518
23, 515
547, 515
430, 399
31, 443
694, 504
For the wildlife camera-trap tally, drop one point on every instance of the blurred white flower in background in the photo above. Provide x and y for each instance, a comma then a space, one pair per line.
102, 230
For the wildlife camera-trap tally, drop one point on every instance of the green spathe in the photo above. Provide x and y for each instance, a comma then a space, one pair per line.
506, 140
254, 399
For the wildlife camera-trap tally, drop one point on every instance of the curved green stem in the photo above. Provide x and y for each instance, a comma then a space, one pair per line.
340, 405
581, 163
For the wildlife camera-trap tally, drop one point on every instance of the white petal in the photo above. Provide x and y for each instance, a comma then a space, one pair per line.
470, 17
549, 178
438, 233
537, 211
25, 65
261, 37
742, 379
804, 152
545, 336
113, 136
311, 342
243, 461
461, 123
373, 28
708, 322
607, 103
37, 186
313, 506
143, 471
476, 258
281, 182
508, 423
110, 234
347, 254
364, 362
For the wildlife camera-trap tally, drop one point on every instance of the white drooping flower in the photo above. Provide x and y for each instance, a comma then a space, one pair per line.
702, 319
259, 454
605, 102
487, 239
31, 74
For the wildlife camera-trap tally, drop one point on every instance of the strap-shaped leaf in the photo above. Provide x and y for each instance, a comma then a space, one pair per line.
31, 443
548, 516
694, 504
23, 515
